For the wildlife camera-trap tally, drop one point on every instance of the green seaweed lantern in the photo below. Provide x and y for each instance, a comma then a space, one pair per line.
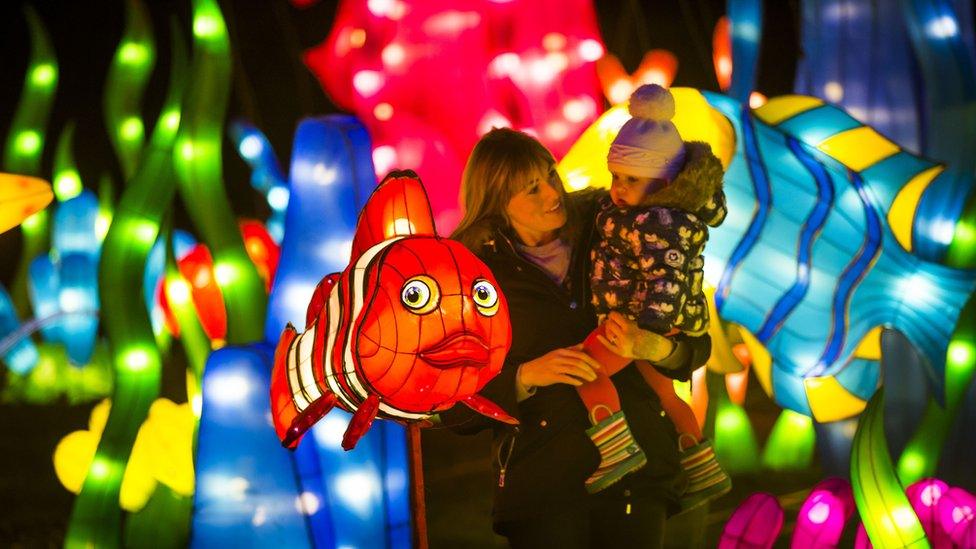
136, 361
25, 143
66, 181
885, 510
127, 79
197, 158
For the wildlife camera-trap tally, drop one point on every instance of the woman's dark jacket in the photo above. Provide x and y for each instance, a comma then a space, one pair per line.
552, 456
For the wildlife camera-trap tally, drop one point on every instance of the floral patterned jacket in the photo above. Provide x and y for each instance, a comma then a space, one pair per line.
647, 261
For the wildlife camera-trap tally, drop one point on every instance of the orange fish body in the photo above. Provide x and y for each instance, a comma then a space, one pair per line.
413, 325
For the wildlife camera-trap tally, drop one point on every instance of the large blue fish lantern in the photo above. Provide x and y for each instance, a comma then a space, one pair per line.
820, 249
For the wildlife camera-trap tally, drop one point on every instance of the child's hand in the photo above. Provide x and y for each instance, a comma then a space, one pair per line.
626, 338
620, 335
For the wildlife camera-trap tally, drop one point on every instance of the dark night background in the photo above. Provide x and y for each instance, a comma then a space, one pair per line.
273, 89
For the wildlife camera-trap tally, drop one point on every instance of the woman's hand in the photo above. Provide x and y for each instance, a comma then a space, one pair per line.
625, 338
570, 366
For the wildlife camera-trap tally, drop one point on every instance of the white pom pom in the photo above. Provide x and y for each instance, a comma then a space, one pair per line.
652, 102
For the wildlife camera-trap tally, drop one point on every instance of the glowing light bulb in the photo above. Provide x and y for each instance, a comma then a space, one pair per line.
367, 82
134, 360
67, 185
554, 41
278, 197
505, 64
28, 142
833, 91
208, 26
620, 91
133, 53
756, 100
251, 147
383, 112
357, 37
384, 158
590, 49
43, 75
131, 129
393, 54
178, 291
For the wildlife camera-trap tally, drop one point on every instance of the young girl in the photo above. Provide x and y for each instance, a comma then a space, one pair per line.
647, 266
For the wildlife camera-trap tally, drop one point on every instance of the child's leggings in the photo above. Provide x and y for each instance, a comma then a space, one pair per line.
600, 396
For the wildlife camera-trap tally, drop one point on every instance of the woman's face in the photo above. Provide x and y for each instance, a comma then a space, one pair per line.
537, 211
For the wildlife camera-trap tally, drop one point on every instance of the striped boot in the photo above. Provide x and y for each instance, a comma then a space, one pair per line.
619, 452
707, 480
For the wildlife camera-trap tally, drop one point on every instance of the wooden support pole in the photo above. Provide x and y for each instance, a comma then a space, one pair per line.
417, 502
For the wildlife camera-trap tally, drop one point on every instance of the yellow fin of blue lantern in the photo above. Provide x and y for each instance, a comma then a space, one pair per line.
784, 107
901, 214
722, 360
20, 198
858, 148
585, 165
830, 401
762, 362
870, 346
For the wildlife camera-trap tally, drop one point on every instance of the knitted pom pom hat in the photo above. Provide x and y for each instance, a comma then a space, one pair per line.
648, 145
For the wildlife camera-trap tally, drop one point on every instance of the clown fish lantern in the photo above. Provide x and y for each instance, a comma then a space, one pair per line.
413, 325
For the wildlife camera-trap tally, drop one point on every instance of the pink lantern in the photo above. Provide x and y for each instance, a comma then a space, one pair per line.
823, 515
861, 541
755, 524
428, 78
924, 496
956, 509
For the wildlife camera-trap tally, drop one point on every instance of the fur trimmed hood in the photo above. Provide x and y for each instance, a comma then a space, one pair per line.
695, 186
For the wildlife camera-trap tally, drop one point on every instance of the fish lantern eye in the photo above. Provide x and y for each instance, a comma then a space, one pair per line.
420, 295
485, 297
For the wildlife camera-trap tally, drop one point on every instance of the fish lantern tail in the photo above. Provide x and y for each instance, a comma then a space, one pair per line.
360, 422
283, 408
292, 413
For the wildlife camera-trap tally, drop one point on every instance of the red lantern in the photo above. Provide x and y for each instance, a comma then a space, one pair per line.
413, 325
261, 248
722, 52
197, 268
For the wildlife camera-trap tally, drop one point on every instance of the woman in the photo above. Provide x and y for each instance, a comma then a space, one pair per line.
536, 240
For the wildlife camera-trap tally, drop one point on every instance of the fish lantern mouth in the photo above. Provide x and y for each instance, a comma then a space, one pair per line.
457, 351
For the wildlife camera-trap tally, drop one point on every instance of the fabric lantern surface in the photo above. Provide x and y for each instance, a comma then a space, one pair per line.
957, 514
524, 65
413, 325
823, 515
20, 198
924, 496
755, 524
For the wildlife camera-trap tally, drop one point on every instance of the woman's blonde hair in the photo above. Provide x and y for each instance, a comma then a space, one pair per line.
501, 165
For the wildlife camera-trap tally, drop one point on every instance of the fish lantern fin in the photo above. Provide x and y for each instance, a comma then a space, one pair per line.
360, 422
319, 298
308, 417
283, 408
398, 207
488, 408
21, 197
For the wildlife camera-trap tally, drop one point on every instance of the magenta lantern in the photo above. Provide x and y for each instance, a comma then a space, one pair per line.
924, 496
861, 541
823, 515
754, 525
956, 509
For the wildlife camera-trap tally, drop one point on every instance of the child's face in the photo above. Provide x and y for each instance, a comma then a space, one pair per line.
629, 190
